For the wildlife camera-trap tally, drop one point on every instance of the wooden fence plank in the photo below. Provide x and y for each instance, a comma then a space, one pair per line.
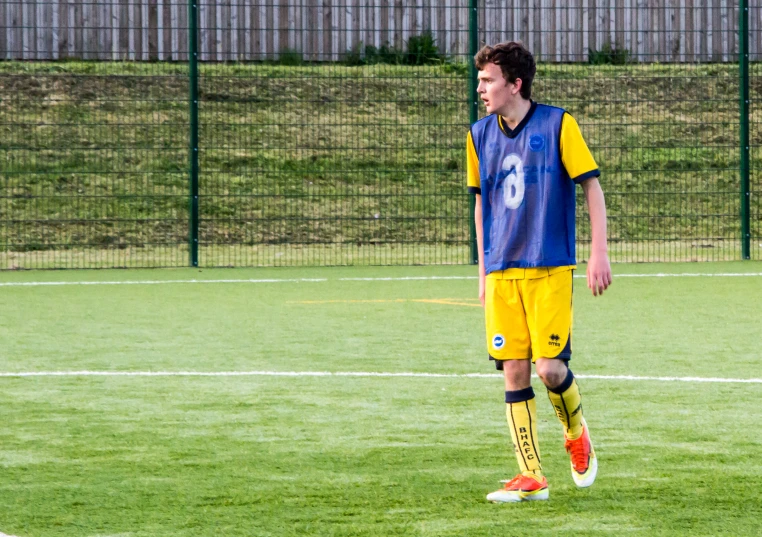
656, 28
9, 28
716, 33
63, 28
271, 31
113, 29
341, 15
592, 28
37, 29
203, 31
224, 29
121, 42
643, 34
101, 22
231, 42
104, 30
404, 29
165, 29
382, 16
175, 24
183, 28
5, 28
96, 29
153, 30
604, 23
145, 27
451, 26
673, 22
218, 24
314, 48
244, 29
703, 29
39, 35
755, 30
357, 29
396, 18
11, 51
686, 21
27, 22
51, 30
366, 22
256, 33
437, 26
327, 31
85, 24
730, 34
283, 28
552, 29
561, 23
19, 37
130, 29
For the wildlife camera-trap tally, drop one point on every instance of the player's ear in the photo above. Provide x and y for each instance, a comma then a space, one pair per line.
517, 86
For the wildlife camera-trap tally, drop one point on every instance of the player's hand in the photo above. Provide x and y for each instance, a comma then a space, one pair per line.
598, 273
482, 287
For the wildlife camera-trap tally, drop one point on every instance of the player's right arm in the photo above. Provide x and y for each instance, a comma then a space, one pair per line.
474, 187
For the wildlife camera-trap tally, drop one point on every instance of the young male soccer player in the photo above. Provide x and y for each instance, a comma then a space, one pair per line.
524, 160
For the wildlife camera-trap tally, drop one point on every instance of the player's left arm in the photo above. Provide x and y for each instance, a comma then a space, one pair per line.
583, 170
598, 266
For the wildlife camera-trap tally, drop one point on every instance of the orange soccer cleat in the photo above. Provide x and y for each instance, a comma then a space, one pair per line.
584, 464
522, 488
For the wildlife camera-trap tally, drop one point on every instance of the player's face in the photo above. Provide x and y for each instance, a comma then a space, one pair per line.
494, 90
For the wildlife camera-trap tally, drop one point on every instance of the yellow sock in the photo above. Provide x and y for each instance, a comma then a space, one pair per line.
567, 403
521, 412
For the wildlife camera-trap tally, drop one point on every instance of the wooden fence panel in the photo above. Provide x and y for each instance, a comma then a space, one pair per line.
325, 30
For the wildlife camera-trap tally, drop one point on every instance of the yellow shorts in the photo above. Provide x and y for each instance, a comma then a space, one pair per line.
529, 317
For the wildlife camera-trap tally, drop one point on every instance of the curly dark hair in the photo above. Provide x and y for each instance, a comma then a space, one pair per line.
515, 61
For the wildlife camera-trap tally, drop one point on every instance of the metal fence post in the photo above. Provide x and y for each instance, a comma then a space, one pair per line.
743, 42
473, 105
193, 104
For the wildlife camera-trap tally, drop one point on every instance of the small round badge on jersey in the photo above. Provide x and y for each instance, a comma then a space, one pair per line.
536, 142
498, 341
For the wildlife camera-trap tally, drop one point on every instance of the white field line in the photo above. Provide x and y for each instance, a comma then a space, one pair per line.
389, 279
159, 282
350, 374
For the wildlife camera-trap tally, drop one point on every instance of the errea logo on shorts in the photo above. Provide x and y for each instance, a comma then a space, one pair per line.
498, 341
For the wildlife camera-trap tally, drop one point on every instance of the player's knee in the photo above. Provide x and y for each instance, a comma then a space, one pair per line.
551, 372
518, 373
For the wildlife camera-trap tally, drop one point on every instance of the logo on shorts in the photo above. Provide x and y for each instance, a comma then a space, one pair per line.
554, 340
498, 341
536, 142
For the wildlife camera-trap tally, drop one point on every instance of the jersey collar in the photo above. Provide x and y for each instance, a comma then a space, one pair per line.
512, 133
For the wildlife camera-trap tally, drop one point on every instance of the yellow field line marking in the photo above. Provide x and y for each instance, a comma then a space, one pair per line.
443, 301
344, 301
448, 302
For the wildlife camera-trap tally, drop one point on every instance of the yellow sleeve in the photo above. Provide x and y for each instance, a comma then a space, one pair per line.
575, 155
472, 167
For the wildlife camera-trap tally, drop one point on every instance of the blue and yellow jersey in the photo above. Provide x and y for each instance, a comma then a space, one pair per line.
526, 178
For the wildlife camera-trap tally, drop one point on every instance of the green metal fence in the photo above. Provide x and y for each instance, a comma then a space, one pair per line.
334, 133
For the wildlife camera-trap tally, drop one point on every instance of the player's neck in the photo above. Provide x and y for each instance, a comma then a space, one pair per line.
513, 114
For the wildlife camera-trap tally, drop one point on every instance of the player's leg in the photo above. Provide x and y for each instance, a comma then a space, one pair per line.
509, 344
549, 316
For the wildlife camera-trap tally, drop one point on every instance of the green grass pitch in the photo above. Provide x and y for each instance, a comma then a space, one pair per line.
273, 456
